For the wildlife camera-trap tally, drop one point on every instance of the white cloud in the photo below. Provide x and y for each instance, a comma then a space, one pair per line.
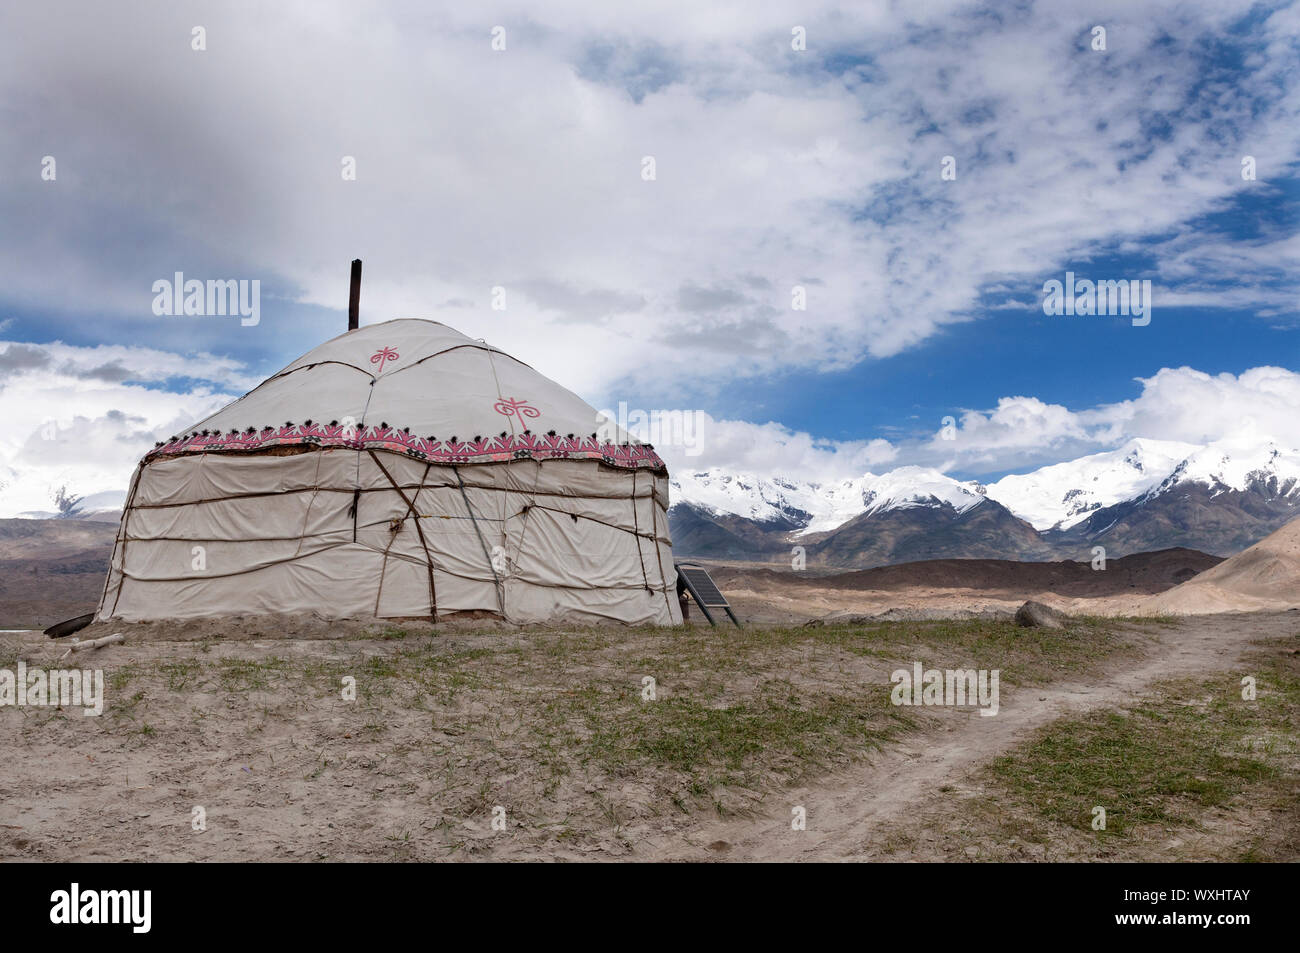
1020, 433
522, 168
1190, 405
1176, 404
771, 449
71, 418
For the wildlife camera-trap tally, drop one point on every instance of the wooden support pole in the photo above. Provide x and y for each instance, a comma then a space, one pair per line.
93, 644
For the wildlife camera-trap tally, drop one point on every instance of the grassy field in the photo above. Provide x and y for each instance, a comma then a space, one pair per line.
555, 726
1191, 770
732, 708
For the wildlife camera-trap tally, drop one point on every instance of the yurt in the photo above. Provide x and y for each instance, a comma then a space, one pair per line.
401, 470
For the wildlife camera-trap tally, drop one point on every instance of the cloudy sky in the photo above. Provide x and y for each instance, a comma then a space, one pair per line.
129, 155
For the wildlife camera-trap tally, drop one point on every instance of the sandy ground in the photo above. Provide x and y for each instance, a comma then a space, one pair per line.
1264, 577
244, 724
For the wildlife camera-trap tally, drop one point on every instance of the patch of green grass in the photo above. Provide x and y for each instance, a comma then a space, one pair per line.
1195, 746
777, 731
1162, 619
123, 675
181, 676
246, 675
1024, 656
797, 732
124, 706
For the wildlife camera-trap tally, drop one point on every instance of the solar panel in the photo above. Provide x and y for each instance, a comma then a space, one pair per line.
697, 581
703, 587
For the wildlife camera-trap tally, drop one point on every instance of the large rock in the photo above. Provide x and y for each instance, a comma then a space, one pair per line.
1034, 614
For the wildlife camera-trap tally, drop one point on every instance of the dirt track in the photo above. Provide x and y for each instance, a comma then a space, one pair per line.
850, 817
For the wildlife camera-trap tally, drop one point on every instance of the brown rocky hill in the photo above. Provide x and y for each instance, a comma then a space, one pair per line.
51, 570
1265, 577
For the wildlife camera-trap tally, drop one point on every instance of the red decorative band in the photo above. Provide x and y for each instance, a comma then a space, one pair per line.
479, 449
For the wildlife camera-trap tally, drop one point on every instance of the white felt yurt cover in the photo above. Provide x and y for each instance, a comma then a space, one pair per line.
400, 470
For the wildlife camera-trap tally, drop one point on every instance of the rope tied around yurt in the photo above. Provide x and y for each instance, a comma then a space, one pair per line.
636, 533
654, 535
496, 580
411, 510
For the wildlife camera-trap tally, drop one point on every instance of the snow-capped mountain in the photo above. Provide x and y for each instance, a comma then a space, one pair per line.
1220, 499
819, 507
1061, 495
919, 486
1145, 495
98, 506
1232, 465
788, 502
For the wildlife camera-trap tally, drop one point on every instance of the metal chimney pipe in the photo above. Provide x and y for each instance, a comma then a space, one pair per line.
354, 296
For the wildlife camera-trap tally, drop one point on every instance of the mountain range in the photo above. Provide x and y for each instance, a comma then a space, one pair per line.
1145, 495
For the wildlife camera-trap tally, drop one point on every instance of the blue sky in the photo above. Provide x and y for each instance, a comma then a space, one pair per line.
523, 168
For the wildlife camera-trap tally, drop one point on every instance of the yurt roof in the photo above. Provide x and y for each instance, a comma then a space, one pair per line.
416, 387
